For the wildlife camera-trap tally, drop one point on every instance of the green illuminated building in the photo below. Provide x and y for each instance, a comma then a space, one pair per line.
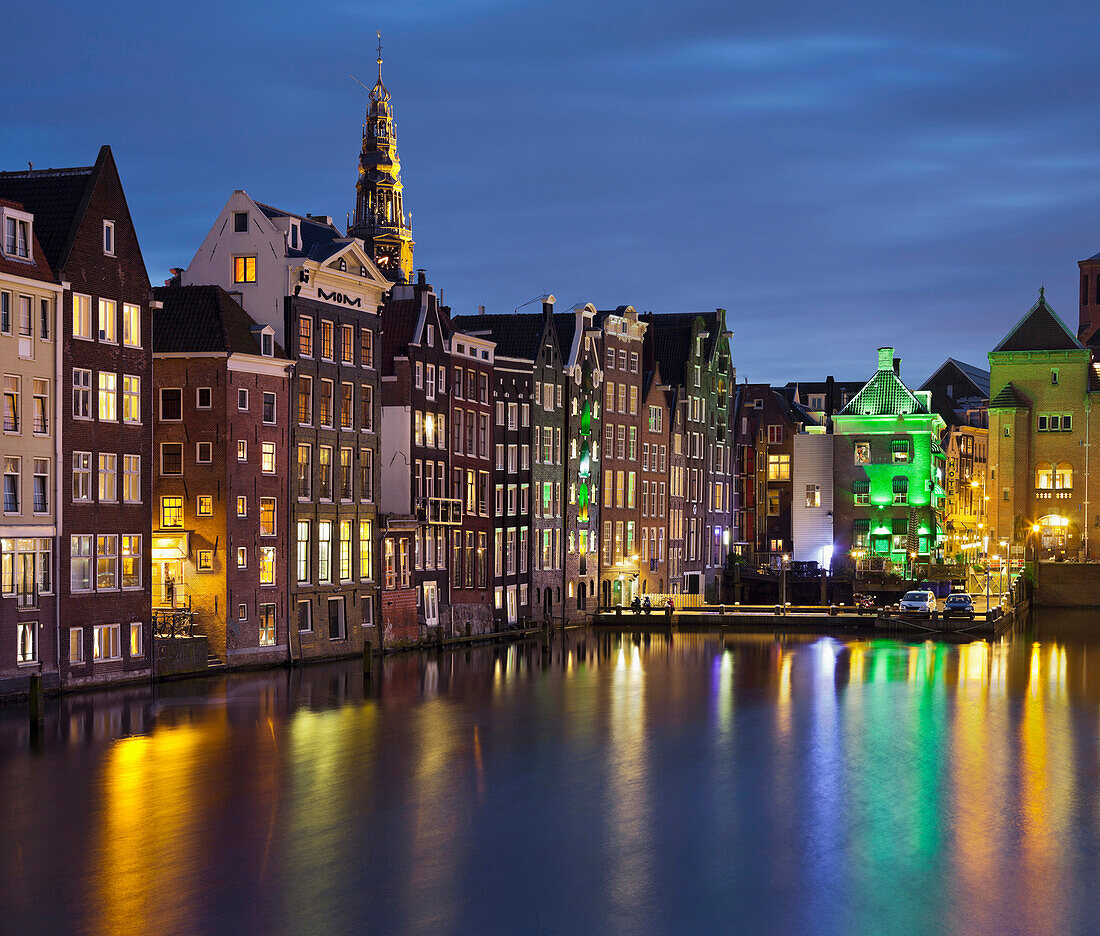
887, 475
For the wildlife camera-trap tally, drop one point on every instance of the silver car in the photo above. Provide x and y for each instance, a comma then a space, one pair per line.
918, 601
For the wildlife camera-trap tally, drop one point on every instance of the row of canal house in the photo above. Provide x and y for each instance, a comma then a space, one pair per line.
321, 456
76, 445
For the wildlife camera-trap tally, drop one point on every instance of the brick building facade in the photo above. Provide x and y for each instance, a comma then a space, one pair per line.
221, 512
83, 224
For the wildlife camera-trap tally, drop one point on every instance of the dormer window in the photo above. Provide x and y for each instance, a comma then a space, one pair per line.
267, 343
109, 238
294, 237
18, 238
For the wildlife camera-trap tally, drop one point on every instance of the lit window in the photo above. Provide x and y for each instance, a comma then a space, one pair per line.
137, 642
244, 269
82, 316
108, 321
108, 396
267, 458
205, 561
131, 561
106, 574
242, 557
106, 644
131, 399
242, 506
267, 516
131, 325
171, 513
205, 506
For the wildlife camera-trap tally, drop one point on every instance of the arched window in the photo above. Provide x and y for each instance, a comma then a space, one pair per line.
343, 265
1044, 476
570, 584
1063, 476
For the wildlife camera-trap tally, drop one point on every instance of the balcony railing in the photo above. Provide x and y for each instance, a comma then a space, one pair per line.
446, 511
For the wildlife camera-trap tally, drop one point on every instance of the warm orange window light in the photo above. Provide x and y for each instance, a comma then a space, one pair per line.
244, 269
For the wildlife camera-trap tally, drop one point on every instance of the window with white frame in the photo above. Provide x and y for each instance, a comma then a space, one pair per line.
106, 645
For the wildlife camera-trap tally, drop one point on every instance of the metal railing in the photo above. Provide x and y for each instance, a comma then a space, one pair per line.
174, 622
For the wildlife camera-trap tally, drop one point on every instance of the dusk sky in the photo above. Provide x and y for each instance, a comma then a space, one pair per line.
838, 177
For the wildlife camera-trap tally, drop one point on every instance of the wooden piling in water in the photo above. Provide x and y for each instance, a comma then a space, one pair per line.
37, 705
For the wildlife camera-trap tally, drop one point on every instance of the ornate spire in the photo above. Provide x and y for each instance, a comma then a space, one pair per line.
379, 217
378, 94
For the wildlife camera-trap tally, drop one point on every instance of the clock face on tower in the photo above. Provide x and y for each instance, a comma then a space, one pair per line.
385, 259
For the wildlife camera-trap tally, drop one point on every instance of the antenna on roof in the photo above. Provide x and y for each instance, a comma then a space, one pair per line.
30, 165
539, 298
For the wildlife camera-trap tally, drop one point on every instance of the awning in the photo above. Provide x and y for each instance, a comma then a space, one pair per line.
901, 484
171, 546
899, 526
861, 486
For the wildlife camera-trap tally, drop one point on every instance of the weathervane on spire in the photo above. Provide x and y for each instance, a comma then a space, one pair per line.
380, 55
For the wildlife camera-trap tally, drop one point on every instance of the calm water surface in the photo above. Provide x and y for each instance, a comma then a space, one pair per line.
628, 784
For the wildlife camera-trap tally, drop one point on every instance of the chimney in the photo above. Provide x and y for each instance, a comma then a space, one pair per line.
548, 305
885, 359
421, 277
897, 366
176, 279
481, 310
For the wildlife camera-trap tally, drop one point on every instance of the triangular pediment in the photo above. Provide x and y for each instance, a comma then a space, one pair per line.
350, 257
1040, 330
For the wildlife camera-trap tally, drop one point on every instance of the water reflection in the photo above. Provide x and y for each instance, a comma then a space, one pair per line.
621, 782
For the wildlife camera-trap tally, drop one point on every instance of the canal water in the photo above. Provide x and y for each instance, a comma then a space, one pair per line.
627, 783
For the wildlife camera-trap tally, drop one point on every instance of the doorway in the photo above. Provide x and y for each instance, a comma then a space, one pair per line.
169, 589
431, 604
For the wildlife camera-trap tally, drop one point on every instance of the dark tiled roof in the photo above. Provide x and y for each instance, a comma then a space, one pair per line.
1009, 398
56, 198
672, 343
883, 395
399, 318
1039, 330
39, 267
199, 319
319, 240
516, 335
565, 324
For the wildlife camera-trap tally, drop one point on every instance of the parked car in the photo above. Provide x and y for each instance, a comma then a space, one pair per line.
958, 604
918, 601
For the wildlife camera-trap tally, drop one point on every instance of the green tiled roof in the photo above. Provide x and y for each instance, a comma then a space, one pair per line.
883, 395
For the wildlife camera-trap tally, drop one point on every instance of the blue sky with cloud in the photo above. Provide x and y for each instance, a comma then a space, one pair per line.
836, 176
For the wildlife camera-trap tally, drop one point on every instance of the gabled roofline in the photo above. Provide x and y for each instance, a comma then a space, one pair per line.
1041, 301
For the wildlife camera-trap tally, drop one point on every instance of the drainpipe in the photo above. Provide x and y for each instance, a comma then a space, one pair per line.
1085, 523
58, 500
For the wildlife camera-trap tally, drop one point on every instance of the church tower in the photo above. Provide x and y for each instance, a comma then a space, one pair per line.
379, 214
